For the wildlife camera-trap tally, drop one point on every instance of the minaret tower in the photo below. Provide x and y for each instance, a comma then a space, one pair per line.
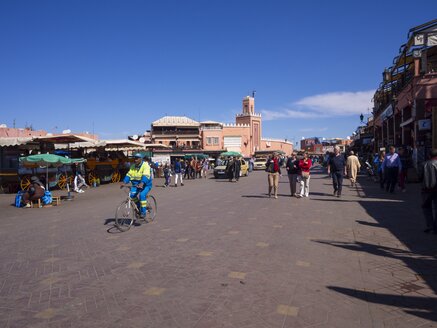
253, 119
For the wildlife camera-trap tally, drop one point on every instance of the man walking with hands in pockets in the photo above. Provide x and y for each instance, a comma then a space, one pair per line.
337, 168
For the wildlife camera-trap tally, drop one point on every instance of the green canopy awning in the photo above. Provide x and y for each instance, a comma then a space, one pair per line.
49, 160
46, 160
78, 160
231, 153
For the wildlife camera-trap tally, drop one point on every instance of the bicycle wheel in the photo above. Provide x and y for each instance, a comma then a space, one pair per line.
152, 208
124, 215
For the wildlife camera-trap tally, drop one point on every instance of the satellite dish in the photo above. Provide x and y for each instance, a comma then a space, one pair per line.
66, 131
142, 139
135, 137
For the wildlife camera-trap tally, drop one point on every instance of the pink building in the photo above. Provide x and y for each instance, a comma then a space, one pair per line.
214, 137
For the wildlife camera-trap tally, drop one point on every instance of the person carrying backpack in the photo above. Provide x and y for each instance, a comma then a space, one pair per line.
429, 193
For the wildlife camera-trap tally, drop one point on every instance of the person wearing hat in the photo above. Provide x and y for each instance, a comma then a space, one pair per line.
140, 176
35, 192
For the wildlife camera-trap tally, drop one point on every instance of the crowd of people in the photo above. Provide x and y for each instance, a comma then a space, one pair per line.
299, 172
183, 169
391, 168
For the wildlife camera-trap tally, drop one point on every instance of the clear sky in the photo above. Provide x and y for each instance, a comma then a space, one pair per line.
113, 67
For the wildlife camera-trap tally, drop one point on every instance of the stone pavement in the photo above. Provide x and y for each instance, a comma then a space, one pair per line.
222, 254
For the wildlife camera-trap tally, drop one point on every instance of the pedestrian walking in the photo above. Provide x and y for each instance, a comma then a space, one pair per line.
353, 166
391, 167
230, 169
405, 165
305, 165
273, 169
337, 169
167, 175
187, 173
178, 172
293, 172
429, 193
379, 159
199, 169
205, 167
237, 169
251, 163
193, 165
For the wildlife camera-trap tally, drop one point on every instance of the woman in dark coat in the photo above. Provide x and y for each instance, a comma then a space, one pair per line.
230, 169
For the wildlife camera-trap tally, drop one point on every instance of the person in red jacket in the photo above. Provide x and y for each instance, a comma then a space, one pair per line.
305, 166
274, 170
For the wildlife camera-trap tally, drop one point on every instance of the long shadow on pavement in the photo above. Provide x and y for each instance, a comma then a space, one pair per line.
402, 218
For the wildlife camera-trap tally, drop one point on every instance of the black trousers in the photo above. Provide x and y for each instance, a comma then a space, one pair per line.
337, 181
391, 178
429, 207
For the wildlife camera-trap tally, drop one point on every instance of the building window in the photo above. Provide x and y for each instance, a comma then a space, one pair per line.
212, 141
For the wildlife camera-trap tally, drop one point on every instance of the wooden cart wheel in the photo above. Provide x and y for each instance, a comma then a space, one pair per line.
116, 176
92, 178
62, 181
25, 182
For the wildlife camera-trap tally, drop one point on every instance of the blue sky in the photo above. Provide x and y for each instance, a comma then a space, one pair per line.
116, 66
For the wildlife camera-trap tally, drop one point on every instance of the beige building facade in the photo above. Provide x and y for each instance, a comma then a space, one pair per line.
244, 136
277, 144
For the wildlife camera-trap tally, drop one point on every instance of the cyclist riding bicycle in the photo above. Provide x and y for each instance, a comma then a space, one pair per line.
139, 176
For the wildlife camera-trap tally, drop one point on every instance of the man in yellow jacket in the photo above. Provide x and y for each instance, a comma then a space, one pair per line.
141, 179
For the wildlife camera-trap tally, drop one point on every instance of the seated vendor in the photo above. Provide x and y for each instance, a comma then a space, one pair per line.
35, 192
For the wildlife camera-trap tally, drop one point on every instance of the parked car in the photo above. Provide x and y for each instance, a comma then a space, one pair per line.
220, 171
260, 164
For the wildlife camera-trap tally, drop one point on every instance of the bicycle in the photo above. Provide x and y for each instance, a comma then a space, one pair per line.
128, 211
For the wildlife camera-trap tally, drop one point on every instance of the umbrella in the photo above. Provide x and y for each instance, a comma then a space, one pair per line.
77, 160
47, 160
231, 153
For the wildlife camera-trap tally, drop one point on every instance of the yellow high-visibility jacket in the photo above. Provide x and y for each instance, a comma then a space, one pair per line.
140, 173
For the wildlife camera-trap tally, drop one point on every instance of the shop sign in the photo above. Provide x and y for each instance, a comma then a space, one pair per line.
161, 159
387, 113
424, 124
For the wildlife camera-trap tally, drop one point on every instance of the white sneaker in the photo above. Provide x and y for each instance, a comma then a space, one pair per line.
27, 205
76, 190
80, 191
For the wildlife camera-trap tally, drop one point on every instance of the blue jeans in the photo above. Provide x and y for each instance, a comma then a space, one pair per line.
391, 175
337, 181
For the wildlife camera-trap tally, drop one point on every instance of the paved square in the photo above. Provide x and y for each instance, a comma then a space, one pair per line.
222, 254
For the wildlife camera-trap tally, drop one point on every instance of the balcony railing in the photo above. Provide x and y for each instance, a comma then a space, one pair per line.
176, 133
